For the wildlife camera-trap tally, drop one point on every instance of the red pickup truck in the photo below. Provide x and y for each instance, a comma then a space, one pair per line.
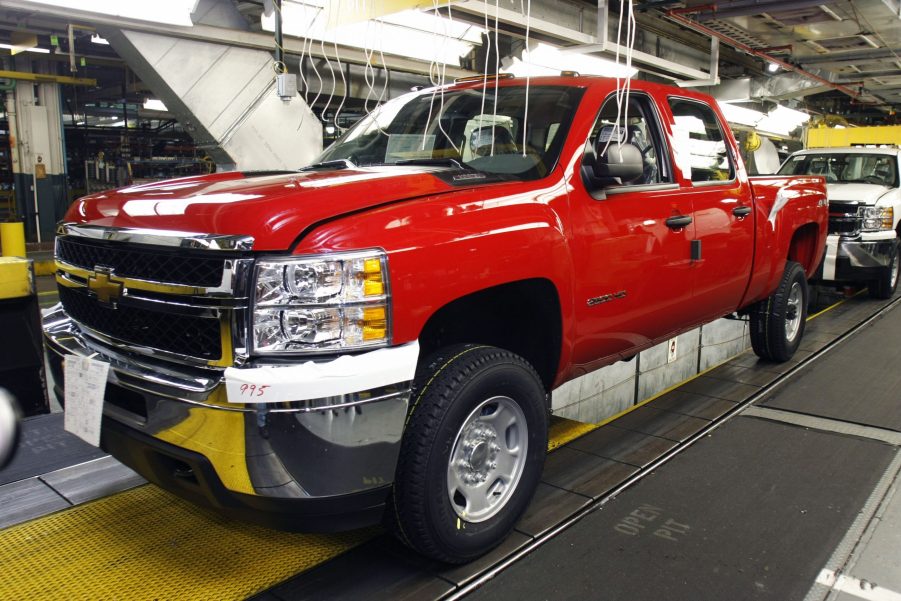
376, 336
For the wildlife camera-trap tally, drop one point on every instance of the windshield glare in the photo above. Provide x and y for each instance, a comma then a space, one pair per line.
468, 127
850, 168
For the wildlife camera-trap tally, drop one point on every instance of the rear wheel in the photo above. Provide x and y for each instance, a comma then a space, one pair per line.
472, 452
884, 286
777, 323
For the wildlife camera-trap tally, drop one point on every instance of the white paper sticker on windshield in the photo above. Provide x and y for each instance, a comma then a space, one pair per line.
85, 383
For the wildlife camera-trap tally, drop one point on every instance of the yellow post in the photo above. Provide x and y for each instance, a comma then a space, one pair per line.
12, 239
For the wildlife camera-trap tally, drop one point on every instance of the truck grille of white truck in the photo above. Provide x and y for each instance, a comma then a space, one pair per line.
843, 218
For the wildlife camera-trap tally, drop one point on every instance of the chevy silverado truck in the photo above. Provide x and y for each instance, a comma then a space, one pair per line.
864, 190
376, 335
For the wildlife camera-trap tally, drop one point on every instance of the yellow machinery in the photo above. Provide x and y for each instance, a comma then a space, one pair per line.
21, 355
832, 137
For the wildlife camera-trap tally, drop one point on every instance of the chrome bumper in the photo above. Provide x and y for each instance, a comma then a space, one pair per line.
855, 259
311, 450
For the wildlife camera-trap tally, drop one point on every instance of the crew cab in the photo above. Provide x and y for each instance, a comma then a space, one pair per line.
864, 191
376, 335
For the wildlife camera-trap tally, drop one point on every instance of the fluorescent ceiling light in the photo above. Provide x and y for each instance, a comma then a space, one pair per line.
772, 67
780, 121
35, 49
410, 33
740, 115
152, 104
545, 59
174, 12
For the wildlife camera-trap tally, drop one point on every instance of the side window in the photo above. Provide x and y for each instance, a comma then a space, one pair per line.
703, 153
635, 125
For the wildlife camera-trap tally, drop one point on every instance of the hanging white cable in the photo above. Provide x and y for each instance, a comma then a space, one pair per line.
623, 89
497, 67
343, 82
368, 71
447, 24
303, 51
485, 69
331, 95
525, 118
316, 71
382, 59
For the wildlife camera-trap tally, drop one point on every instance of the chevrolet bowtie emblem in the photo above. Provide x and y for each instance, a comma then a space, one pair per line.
104, 287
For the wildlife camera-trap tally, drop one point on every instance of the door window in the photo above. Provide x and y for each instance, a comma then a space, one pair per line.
634, 123
701, 153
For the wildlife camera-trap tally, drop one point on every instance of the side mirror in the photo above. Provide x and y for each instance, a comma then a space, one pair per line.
9, 427
620, 161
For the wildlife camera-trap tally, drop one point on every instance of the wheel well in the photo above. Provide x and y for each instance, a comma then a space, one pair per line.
803, 247
522, 317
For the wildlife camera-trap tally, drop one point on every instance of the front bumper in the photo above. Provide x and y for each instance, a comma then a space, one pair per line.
855, 259
323, 464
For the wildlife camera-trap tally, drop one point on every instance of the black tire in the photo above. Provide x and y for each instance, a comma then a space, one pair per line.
777, 323
449, 387
884, 286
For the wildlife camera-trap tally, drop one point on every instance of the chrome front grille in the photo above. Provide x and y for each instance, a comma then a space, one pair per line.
843, 218
160, 265
183, 303
194, 336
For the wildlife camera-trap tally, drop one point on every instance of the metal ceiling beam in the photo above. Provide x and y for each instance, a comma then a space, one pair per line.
569, 33
742, 8
222, 35
41, 78
852, 57
679, 16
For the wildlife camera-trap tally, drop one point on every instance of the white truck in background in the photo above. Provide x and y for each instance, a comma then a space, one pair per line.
864, 190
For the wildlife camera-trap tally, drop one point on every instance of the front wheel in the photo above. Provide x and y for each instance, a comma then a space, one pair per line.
472, 452
883, 287
777, 323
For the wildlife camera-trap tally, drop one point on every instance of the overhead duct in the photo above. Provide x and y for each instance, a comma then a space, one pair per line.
678, 15
224, 96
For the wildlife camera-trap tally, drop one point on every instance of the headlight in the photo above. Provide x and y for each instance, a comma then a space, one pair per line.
321, 303
876, 218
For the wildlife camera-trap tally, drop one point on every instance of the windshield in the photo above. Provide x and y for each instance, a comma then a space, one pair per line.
465, 130
850, 168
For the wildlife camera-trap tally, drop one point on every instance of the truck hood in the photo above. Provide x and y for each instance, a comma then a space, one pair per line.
274, 208
864, 193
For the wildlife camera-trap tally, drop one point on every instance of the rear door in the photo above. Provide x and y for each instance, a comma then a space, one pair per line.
711, 178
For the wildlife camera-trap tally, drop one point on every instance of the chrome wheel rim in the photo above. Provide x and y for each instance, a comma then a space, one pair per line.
793, 312
488, 459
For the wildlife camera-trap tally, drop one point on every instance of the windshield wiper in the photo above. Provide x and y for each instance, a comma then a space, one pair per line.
440, 161
335, 164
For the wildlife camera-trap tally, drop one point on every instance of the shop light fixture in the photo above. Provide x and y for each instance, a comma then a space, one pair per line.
173, 12
35, 49
410, 33
545, 59
152, 104
772, 67
99, 40
780, 121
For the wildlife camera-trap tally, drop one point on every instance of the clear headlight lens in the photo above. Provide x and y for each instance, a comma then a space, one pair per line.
310, 304
876, 218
